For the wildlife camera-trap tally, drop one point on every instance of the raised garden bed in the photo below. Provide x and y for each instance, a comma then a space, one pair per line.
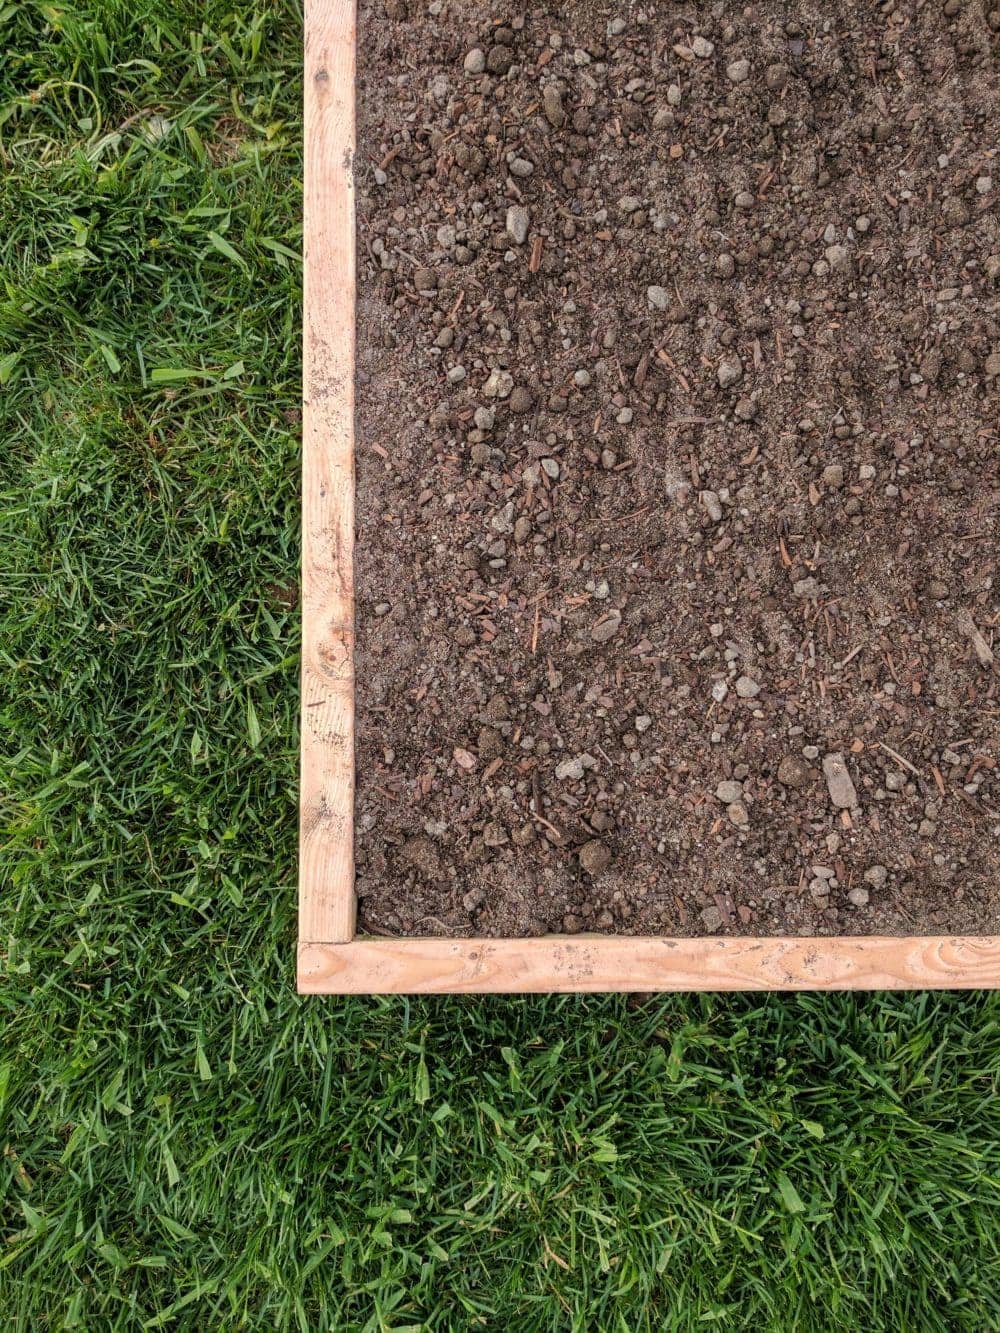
676, 509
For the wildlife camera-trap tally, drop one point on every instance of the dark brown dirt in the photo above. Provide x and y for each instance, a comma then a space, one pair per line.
680, 477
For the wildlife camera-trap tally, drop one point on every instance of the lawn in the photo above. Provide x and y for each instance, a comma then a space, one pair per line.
187, 1144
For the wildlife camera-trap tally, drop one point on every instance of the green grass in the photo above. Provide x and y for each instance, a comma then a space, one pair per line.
184, 1142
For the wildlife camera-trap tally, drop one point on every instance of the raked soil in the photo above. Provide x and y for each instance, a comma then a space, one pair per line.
678, 468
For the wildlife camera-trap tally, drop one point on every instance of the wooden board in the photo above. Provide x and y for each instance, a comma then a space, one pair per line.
331, 960
616, 963
326, 810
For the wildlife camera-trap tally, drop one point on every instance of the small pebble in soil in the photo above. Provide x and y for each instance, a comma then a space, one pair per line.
594, 857
730, 372
607, 627
793, 771
839, 782
876, 876
517, 223
729, 791
712, 505
738, 814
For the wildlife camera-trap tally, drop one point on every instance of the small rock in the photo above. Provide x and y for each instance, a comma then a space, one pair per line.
808, 587
702, 47
738, 71
607, 627
570, 770
793, 772
712, 919
594, 857
712, 505
727, 792
475, 61
521, 400
657, 297
495, 835
643, 722
876, 876
517, 223
747, 687
425, 280
581, 378
833, 476
738, 814
571, 923
838, 781
520, 166
858, 897
499, 384
553, 107
730, 372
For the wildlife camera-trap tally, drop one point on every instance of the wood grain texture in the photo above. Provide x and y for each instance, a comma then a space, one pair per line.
614, 963
326, 818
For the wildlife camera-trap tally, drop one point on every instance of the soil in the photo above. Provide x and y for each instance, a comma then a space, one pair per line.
678, 468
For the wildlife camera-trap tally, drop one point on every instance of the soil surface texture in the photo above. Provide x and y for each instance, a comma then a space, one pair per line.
678, 468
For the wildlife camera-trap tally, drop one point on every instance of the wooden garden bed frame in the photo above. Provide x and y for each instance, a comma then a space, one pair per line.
331, 958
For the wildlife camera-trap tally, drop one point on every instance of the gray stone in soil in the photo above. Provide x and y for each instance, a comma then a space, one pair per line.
727, 792
738, 814
475, 61
517, 223
607, 627
712, 505
711, 919
730, 372
838, 782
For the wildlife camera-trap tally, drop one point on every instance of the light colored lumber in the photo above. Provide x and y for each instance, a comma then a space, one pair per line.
326, 820
616, 963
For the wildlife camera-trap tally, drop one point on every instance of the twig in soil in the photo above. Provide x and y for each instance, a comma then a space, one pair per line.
983, 651
899, 758
850, 657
